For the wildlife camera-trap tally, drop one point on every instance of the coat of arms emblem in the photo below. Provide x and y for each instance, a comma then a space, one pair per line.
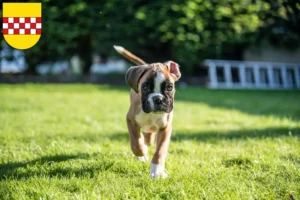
22, 24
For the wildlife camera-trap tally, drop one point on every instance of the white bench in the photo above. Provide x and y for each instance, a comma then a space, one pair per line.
252, 75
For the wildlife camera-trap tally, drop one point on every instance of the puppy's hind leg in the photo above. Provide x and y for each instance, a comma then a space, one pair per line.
149, 138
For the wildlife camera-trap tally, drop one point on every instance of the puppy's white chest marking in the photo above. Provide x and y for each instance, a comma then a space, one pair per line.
151, 122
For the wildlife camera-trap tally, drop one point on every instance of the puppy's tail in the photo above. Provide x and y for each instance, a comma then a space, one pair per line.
127, 54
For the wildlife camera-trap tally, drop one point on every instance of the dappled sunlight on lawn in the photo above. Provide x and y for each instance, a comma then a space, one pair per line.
76, 137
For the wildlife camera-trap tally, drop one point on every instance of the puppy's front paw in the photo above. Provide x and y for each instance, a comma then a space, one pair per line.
159, 175
157, 171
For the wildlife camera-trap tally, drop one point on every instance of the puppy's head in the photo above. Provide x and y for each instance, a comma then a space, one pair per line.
155, 83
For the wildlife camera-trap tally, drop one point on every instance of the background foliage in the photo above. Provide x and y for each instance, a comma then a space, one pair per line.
158, 30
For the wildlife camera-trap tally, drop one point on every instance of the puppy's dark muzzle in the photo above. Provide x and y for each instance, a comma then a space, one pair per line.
157, 100
159, 104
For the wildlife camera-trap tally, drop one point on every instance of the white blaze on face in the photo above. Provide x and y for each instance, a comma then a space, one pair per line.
159, 79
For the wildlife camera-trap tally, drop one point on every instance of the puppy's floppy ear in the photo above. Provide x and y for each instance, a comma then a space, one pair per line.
134, 74
173, 68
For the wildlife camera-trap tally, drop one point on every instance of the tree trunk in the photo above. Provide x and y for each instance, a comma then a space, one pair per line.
85, 52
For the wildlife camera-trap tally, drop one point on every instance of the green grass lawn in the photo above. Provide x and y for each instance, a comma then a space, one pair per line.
71, 142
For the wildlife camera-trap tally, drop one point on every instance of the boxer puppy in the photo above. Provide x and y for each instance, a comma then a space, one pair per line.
151, 108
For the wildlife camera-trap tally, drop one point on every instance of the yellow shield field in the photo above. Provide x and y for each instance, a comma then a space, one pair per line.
22, 24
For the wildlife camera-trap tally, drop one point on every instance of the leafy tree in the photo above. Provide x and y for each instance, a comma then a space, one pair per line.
281, 23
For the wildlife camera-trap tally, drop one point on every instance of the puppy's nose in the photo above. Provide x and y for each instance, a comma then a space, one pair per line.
157, 99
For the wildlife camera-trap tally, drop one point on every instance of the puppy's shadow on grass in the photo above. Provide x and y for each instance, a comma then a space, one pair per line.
42, 160
9, 169
47, 166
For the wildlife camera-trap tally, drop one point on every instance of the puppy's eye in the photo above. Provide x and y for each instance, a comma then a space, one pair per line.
145, 88
169, 88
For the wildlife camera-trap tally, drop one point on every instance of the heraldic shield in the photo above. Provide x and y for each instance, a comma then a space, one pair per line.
22, 24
